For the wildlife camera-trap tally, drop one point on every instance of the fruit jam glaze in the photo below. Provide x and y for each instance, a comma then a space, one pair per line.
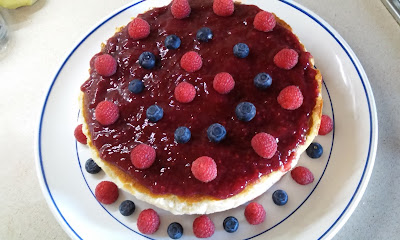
237, 163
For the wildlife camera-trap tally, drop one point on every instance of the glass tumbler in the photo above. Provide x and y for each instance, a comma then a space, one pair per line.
3, 34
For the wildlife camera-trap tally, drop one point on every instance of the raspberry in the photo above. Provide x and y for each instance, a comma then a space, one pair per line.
223, 83
286, 58
264, 145
302, 175
204, 169
180, 9
185, 92
326, 125
138, 29
80, 137
106, 113
203, 227
290, 98
143, 156
191, 61
254, 213
106, 192
264, 21
148, 221
223, 8
105, 65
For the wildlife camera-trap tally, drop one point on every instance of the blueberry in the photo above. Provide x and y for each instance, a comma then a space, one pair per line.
280, 197
136, 86
262, 81
127, 207
182, 135
175, 230
154, 113
172, 42
147, 60
241, 50
204, 34
231, 224
216, 132
245, 111
92, 167
315, 150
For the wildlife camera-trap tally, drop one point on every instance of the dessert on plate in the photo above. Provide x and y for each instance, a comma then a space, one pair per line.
198, 108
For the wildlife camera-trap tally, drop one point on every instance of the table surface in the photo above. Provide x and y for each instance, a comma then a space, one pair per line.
41, 35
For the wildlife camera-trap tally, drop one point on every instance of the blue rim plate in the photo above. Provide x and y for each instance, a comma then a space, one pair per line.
315, 211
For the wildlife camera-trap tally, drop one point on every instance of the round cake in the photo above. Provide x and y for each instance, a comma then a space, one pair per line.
209, 71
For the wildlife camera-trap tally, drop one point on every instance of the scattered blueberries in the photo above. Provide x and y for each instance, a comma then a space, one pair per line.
245, 111
231, 224
172, 42
127, 207
204, 34
91, 167
175, 230
147, 60
182, 135
216, 133
241, 50
262, 81
154, 113
315, 150
280, 197
136, 86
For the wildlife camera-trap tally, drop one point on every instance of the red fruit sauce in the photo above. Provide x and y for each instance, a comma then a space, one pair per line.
238, 164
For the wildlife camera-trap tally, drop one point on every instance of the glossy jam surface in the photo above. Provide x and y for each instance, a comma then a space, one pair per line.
237, 163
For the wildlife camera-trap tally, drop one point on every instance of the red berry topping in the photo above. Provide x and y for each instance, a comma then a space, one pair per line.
143, 156
106, 192
180, 9
106, 113
326, 125
203, 227
185, 92
80, 137
290, 98
223, 83
286, 58
204, 169
264, 21
254, 213
105, 65
138, 29
191, 61
264, 145
286, 167
304, 59
302, 175
148, 221
223, 8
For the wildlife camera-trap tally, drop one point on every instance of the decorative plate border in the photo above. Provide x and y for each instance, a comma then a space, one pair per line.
370, 100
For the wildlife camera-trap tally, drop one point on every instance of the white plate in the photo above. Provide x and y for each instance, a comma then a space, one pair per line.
315, 211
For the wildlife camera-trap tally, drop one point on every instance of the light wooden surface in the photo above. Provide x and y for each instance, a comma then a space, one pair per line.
42, 35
